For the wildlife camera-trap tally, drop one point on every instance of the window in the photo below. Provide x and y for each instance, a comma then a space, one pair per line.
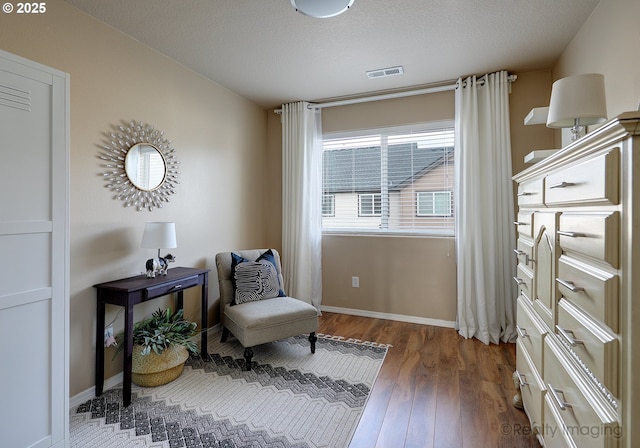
393, 180
433, 203
328, 205
370, 204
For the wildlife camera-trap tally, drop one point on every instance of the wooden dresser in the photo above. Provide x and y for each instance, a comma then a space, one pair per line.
578, 276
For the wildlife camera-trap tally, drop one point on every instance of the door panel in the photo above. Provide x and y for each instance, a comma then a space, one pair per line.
34, 266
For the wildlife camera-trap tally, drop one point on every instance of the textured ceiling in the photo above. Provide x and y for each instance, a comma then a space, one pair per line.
270, 54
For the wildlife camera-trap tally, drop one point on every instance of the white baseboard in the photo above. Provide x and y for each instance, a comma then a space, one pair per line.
90, 393
116, 380
390, 316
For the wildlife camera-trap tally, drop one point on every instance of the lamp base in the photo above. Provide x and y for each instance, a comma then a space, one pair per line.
577, 132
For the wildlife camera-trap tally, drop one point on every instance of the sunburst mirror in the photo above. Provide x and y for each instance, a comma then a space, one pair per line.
141, 165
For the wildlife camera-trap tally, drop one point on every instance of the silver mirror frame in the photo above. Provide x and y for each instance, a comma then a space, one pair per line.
114, 152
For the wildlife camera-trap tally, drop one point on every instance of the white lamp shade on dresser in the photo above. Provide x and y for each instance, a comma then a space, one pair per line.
577, 101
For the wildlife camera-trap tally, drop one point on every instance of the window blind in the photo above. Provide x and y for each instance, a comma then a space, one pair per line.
397, 180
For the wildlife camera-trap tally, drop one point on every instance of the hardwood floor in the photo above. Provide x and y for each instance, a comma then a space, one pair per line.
435, 389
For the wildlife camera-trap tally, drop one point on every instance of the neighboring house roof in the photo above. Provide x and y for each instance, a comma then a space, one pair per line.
358, 169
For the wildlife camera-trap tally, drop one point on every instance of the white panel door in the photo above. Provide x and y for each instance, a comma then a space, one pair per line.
34, 254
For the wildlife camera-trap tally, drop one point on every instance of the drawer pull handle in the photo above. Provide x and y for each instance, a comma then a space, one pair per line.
518, 223
519, 253
569, 285
521, 379
522, 332
562, 185
571, 234
524, 193
561, 403
565, 335
178, 286
518, 281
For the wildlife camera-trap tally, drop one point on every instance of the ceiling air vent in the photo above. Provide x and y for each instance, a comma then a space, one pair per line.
383, 72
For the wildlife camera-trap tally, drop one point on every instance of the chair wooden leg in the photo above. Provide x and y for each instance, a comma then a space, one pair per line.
313, 338
248, 354
225, 334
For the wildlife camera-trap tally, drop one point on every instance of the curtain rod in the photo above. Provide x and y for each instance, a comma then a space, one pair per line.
388, 96
385, 96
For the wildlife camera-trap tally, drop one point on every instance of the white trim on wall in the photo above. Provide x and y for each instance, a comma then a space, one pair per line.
390, 316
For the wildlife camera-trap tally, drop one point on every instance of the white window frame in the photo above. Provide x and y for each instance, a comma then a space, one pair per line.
331, 203
420, 194
376, 198
444, 231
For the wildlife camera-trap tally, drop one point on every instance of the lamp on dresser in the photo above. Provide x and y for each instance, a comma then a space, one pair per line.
577, 101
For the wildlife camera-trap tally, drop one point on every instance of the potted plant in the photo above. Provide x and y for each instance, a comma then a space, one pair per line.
161, 345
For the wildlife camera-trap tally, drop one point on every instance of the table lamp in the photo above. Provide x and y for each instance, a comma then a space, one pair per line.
159, 235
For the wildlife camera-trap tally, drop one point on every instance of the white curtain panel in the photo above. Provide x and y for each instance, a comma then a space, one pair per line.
301, 202
485, 236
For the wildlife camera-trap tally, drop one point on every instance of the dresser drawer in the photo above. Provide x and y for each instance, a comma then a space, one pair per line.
555, 435
593, 291
596, 347
584, 418
592, 182
168, 288
593, 234
531, 387
531, 192
524, 252
524, 280
531, 332
525, 224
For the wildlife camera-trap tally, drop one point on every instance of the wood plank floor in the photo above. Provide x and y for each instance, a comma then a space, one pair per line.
435, 388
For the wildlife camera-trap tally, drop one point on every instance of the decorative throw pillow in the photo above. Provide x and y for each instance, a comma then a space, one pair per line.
255, 280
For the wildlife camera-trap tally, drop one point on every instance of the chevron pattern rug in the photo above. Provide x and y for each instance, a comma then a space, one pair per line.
290, 399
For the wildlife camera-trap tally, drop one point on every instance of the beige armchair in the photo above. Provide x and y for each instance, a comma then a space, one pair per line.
253, 306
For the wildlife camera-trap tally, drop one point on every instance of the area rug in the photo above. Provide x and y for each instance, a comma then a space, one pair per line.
291, 398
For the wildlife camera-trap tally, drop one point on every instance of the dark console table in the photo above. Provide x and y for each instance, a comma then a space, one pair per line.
129, 291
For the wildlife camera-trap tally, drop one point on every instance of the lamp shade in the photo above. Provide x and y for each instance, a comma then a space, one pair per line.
577, 101
159, 235
321, 9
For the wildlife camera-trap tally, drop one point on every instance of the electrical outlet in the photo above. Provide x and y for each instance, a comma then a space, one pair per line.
355, 282
109, 340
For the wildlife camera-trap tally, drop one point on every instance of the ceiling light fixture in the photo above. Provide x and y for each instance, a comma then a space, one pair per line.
321, 9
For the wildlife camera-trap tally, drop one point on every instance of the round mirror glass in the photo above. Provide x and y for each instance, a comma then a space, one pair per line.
145, 166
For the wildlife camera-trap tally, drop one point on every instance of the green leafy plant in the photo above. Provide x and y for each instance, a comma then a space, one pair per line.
160, 330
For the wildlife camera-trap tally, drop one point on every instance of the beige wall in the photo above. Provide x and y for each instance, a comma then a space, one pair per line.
608, 43
220, 139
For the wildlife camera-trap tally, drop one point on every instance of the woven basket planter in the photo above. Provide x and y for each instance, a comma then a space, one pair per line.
155, 370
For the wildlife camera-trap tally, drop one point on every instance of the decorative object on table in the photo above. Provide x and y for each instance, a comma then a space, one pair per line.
159, 235
290, 398
159, 265
142, 168
321, 9
161, 345
577, 101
